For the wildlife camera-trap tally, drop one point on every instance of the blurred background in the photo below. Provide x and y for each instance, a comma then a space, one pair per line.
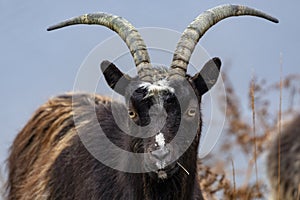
36, 64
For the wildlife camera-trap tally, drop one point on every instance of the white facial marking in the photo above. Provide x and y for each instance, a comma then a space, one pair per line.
160, 164
160, 140
162, 174
145, 85
156, 87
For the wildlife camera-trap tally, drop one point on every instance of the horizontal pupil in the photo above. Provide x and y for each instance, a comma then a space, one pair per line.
192, 112
131, 113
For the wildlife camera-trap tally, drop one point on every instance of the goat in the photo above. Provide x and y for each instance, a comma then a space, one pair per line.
289, 165
86, 146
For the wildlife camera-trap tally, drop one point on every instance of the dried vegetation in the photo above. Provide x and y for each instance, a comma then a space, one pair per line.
236, 167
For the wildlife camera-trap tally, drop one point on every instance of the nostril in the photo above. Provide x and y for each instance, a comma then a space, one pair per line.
161, 153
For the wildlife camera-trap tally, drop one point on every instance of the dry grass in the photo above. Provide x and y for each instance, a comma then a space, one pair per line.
252, 95
279, 130
221, 175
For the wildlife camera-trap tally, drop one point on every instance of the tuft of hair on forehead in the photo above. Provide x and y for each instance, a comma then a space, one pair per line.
156, 87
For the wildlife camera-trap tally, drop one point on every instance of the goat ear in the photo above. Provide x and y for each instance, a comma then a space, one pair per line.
117, 80
208, 76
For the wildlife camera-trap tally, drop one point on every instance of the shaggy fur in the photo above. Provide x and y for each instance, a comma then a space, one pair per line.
289, 162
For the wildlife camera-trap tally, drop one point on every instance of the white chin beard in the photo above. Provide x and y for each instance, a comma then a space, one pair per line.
162, 174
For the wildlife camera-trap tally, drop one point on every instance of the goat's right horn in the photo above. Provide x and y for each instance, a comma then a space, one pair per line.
200, 25
123, 28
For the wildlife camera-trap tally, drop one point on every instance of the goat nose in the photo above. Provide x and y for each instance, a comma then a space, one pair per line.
161, 153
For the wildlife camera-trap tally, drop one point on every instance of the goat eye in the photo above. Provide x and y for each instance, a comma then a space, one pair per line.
191, 112
132, 114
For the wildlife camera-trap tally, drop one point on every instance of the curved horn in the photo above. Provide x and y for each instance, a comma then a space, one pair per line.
200, 25
122, 27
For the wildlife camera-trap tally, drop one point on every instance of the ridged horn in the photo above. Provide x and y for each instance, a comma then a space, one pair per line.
122, 27
200, 25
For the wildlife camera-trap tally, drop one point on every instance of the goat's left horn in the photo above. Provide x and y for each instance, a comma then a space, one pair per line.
123, 28
200, 25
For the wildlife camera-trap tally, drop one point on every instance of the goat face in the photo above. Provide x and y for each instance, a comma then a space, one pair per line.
163, 112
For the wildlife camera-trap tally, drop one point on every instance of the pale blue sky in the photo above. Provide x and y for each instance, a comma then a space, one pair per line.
36, 64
